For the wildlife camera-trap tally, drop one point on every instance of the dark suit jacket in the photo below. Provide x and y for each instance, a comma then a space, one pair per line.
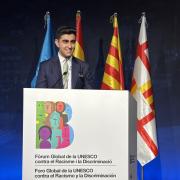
50, 75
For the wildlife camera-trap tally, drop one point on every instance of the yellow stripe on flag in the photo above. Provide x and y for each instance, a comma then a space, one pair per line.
114, 41
112, 61
110, 81
145, 86
78, 52
149, 100
133, 89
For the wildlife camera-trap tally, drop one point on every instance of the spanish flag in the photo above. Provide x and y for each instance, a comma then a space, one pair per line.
78, 51
113, 78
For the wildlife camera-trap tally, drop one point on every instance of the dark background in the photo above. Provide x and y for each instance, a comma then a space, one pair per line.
21, 37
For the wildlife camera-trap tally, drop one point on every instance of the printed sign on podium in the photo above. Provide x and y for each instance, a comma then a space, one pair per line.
79, 134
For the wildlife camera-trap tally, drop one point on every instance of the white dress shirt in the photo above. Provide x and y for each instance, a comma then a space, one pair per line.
69, 60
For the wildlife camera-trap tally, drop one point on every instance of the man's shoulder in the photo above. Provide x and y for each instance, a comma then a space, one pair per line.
50, 61
79, 61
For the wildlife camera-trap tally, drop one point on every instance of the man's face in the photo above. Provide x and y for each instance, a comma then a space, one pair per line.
66, 44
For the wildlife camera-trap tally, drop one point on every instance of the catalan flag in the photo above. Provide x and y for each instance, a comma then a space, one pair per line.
78, 51
113, 74
147, 148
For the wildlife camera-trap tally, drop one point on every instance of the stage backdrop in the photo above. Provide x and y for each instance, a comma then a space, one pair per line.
21, 36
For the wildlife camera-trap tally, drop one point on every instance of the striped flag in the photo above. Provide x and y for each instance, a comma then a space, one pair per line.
78, 51
113, 74
147, 148
48, 49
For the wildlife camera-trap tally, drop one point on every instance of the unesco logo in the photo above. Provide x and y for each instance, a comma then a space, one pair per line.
52, 129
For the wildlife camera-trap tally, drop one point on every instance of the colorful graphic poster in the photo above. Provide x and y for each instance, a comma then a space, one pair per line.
52, 129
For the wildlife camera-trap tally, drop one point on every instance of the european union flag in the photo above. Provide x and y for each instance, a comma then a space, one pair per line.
48, 49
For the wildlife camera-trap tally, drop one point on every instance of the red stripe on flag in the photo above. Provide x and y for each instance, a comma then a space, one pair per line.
152, 106
115, 31
146, 119
133, 83
112, 72
114, 52
106, 87
147, 139
141, 53
79, 31
148, 93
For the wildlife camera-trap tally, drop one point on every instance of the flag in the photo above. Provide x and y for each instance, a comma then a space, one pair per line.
141, 89
48, 48
78, 51
113, 74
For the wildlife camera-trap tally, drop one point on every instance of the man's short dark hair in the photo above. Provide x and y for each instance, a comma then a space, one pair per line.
65, 30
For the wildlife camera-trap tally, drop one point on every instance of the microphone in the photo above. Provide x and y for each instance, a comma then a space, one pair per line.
64, 73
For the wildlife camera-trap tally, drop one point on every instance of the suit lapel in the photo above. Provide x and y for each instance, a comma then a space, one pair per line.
56, 71
75, 73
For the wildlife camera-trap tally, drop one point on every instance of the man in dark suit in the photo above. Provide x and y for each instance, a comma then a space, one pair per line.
64, 70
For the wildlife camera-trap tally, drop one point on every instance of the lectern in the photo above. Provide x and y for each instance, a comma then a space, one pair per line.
79, 134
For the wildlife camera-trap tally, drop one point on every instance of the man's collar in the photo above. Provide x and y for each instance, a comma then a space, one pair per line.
61, 58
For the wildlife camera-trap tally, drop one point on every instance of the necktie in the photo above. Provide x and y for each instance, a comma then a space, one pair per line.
65, 74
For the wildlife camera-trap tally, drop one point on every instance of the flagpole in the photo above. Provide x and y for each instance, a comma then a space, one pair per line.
142, 167
142, 172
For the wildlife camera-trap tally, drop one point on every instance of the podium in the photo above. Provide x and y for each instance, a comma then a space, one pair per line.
79, 134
